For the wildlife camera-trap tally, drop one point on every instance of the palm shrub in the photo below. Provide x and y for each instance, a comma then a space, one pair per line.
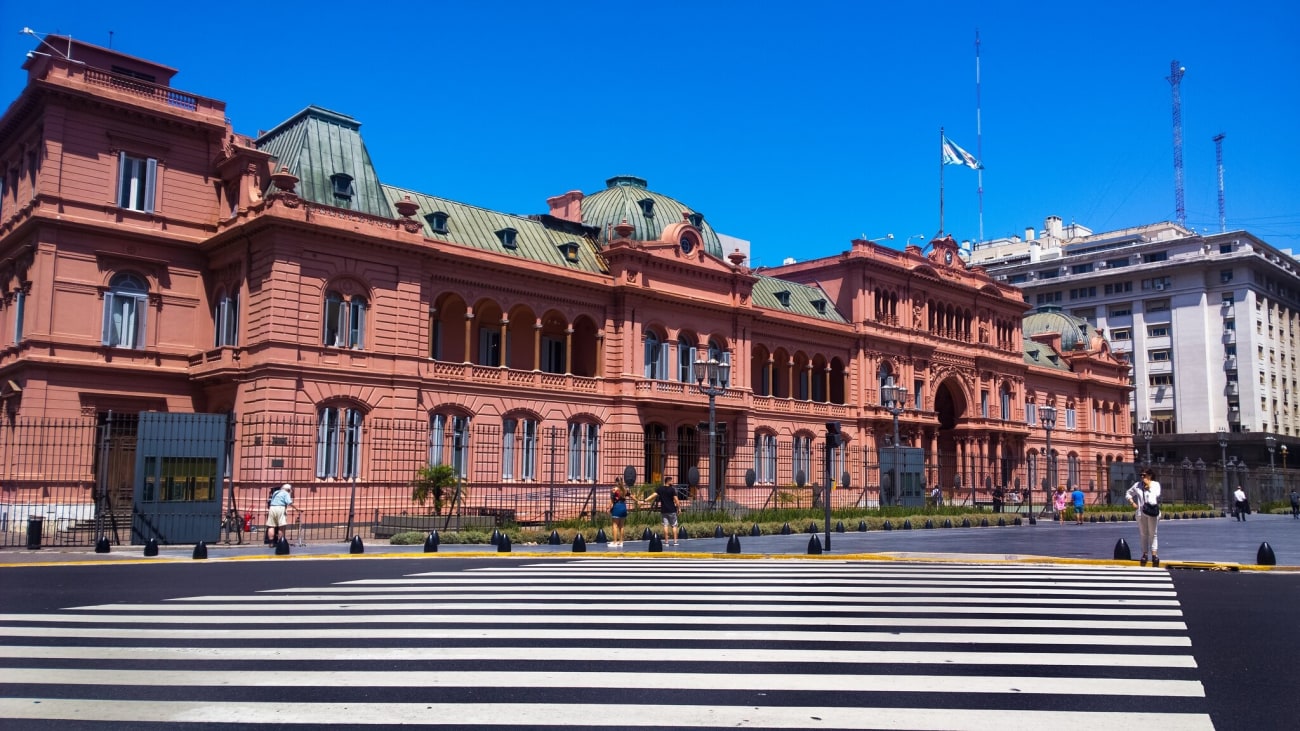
436, 482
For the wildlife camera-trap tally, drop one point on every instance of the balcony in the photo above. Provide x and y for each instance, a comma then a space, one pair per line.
1229, 337
1230, 363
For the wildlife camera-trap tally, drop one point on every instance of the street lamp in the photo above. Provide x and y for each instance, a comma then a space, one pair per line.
1271, 442
711, 379
1048, 415
1223, 450
895, 398
1283, 448
1147, 429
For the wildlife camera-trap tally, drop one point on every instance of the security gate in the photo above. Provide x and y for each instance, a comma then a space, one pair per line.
180, 460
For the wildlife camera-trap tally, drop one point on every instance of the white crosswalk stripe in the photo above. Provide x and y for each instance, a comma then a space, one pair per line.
627, 642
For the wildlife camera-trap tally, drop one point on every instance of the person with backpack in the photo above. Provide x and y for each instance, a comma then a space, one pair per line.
1144, 496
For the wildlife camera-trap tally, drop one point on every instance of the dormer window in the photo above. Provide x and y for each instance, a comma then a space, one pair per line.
783, 297
696, 219
820, 306
570, 250
437, 222
342, 183
507, 236
647, 207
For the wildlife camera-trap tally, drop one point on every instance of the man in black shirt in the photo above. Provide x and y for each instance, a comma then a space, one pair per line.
667, 497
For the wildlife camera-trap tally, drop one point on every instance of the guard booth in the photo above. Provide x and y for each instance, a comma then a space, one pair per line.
910, 490
180, 460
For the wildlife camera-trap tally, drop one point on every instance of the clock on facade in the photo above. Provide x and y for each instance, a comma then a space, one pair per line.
947, 257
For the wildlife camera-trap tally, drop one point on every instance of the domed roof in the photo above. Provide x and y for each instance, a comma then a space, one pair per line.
1075, 331
626, 198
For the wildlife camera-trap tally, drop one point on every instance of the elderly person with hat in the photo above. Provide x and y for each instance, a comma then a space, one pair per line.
276, 515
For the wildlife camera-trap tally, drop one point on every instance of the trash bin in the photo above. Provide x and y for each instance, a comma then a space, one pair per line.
35, 524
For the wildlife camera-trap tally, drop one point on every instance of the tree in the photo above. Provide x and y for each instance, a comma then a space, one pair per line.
432, 482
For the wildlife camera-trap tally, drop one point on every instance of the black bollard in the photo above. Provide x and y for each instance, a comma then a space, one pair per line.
101, 545
356, 546
200, 550
733, 544
754, 530
862, 526
646, 535
814, 546
965, 522
785, 529
656, 543
555, 538
812, 527
1002, 522
496, 537
579, 544
282, 546
947, 523
601, 537
431, 543
907, 524
717, 532
929, 524
1265, 555
682, 534
888, 525
1113, 519
1092, 519
984, 522
839, 527
151, 547
1122, 552
503, 544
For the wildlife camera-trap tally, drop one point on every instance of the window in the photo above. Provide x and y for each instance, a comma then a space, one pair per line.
345, 321
647, 207
1155, 256
1158, 331
1116, 263
1072, 470
1162, 379
441, 426
1225, 276
1118, 287
1123, 334
1225, 248
1048, 298
338, 442
342, 186
124, 312
1031, 413
507, 237
553, 355
783, 297
1081, 268
1005, 404
489, 346
1083, 293
656, 357
584, 448
437, 222
1018, 279
20, 306
519, 449
918, 402
1071, 417
137, 179
1156, 305
984, 403
802, 458
1159, 356
765, 458
685, 360
1158, 283
225, 319
1121, 311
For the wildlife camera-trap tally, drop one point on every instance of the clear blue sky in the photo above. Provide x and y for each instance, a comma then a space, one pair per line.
798, 126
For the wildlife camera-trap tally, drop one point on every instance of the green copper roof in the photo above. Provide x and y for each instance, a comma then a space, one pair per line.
480, 228
317, 145
1051, 319
800, 299
622, 200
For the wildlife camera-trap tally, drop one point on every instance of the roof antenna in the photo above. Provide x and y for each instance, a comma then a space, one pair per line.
110, 39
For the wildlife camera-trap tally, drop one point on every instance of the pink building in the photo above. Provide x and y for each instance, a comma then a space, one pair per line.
154, 259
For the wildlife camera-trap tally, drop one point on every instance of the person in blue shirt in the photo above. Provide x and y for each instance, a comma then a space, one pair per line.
1077, 496
277, 520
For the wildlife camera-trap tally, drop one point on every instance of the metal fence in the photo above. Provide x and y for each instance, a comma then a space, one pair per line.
78, 476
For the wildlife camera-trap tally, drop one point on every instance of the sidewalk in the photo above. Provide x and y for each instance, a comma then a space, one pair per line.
1222, 542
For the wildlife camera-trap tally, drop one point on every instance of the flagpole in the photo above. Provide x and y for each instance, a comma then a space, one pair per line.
979, 135
940, 183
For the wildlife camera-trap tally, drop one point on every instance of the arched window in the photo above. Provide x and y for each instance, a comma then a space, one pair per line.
338, 442
519, 449
124, 312
225, 319
1072, 470
764, 458
685, 360
1005, 404
584, 451
656, 357
802, 458
884, 377
345, 320
449, 442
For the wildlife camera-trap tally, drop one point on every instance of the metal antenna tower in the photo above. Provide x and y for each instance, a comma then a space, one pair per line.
1218, 165
1175, 78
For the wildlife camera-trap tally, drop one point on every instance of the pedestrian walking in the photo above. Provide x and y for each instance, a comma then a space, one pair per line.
1144, 496
1295, 504
618, 511
1058, 503
277, 521
1077, 497
668, 507
998, 495
1240, 503
936, 497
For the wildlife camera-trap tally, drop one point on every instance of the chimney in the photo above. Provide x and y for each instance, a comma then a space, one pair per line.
1029, 233
1052, 227
567, 206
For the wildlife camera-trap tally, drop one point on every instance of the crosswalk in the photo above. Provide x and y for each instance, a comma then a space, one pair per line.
628, 643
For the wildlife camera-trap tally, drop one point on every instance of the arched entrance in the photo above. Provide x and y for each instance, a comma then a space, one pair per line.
950, 406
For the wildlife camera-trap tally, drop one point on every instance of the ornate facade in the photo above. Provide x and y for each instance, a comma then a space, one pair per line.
153, 258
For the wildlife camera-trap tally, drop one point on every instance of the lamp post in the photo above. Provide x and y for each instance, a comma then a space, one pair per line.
711, 379
1223, 451
895, 398
1048, 415
1147, 429
1283, 448
1271, 443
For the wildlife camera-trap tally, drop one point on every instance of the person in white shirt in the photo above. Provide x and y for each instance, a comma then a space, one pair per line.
1144, 495
1242, 503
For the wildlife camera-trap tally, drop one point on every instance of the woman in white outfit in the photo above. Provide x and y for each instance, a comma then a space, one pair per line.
1145, 497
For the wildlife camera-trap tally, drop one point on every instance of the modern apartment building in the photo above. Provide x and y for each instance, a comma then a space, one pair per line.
1208, 321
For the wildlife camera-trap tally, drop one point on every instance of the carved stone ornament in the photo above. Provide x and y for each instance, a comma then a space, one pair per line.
406, 207
284, 180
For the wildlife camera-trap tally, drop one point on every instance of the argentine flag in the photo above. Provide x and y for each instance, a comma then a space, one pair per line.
954, 155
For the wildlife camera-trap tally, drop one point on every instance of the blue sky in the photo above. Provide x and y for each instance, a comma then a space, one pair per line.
798, 126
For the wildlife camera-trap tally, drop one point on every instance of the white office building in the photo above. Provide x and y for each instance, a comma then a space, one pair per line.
1208, 322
